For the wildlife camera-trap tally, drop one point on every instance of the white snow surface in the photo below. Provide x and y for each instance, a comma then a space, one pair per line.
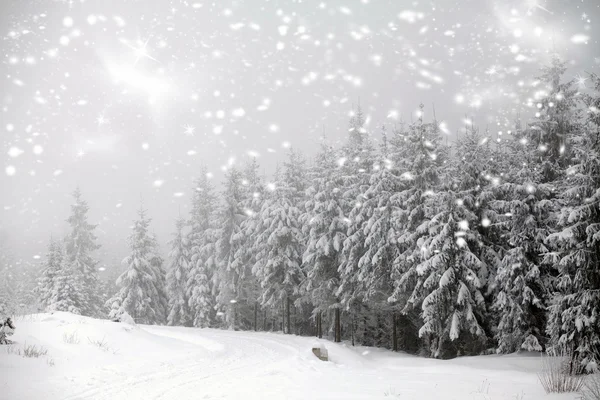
175, 363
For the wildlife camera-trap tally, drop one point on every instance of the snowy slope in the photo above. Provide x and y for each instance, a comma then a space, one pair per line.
149, 362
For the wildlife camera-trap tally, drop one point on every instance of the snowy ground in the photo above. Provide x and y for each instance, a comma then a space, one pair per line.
148, 362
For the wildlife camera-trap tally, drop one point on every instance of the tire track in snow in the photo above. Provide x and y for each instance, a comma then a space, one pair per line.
179, 376
265, 346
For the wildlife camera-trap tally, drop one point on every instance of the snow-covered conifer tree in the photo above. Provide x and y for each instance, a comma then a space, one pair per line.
50, 274
228, 279
418, 156
67, 292
80, 244
177, 277
528, 200
357, 163
278, 267
324, 227
202, 238
142, 292
448, 287
249, 245
575, 310
520, 301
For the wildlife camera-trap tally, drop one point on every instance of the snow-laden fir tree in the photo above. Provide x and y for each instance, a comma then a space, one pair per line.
278, 267
80, 244
142, 292
448, 287
524, 217
202, 238
557, 119
324, 226
417, 154
477, 171
372, 246
50, 274
228, 277
248, 243
528, 201
66, 290
357, 161
177, 277
574, 322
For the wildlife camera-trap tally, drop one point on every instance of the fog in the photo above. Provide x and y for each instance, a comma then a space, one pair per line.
128, 99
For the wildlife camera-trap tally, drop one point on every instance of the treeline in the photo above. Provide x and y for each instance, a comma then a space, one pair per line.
411, 243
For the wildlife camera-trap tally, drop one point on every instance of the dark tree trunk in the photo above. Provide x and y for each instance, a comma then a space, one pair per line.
352, 327
265, 320
394, 333
320, 324
319, 330
283, 317
295, 309
338, 327
287, 312
255, 316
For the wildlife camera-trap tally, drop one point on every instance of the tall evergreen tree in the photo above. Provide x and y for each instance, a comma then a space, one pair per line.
358, 160
142, 291
248, 242
50, 274
574, 321
177, 277
229, 277
279, 267
477, 172
448, 287
528, 201
66, 293
418, 156
373, 232
202, 237
324, 226
80, 244
524, 216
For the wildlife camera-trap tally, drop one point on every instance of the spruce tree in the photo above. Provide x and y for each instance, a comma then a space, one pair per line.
248, 243
278, 267
448, 286
229, 277
573, 322
372, 230
528, 201
357, 162
177, 277
67, 293
50, 275
142, 291
80, 244
202, 238
324, 227
418, 157
477, 169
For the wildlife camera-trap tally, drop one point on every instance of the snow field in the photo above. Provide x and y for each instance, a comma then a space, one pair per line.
100, 359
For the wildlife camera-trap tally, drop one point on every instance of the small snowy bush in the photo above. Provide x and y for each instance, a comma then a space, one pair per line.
100, 343
71, 338
556, 376
32, 351
125, 318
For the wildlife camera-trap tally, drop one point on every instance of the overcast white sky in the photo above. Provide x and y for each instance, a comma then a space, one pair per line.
129, 98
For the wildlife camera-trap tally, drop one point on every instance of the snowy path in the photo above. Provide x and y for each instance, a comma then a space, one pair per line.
164, 363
